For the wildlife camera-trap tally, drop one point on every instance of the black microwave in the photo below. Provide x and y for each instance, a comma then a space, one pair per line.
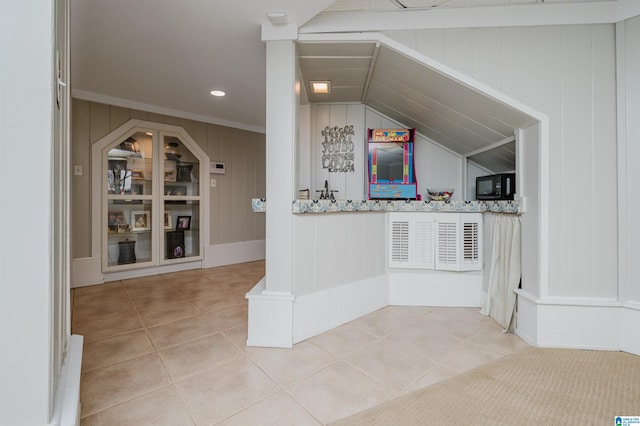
496, 187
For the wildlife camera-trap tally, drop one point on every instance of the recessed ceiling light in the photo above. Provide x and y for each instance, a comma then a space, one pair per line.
217, 93
320, 86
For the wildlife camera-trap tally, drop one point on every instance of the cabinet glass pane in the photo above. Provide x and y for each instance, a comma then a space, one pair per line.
129, 236
130, 166
181, 169
181, 228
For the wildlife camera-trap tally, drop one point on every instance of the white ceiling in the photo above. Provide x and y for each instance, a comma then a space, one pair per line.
170, 54
166, 56
380, 5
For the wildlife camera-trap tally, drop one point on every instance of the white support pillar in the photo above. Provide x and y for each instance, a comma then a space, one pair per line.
280, 157
271, 301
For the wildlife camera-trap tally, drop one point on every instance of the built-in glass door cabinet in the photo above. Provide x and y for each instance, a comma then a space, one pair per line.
152, 198
181, 207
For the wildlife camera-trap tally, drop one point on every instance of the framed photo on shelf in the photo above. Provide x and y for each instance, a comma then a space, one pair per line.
168, 219
137, 189
175, 190
115, 220
140, 220
124, 228
184, 172
137, 174
183, 223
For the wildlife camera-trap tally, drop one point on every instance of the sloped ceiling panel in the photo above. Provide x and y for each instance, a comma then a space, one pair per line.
438, 106
500, 159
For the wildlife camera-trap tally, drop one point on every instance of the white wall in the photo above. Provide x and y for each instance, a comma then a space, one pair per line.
629, 151
568, 73
628, 175
350, 185
26, 84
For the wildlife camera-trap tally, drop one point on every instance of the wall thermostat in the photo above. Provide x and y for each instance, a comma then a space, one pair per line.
217, 168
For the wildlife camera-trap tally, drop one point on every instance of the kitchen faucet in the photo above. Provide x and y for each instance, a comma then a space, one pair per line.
325, 194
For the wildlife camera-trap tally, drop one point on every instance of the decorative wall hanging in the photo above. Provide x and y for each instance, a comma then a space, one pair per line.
337, 149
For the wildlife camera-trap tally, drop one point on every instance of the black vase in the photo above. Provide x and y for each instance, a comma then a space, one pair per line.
127, 252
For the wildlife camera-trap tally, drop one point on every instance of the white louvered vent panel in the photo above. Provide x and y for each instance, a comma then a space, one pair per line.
470, 241
399, 250
423, 256
444, 241
447, 243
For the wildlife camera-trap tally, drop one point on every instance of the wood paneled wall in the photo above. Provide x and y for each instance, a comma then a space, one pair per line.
243, 152
569, 73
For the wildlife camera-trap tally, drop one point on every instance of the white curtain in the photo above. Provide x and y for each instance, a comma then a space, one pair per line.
504, 270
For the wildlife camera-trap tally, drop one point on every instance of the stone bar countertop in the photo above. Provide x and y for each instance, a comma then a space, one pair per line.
334, 206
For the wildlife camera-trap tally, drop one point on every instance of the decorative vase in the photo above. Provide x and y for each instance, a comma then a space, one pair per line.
127, 252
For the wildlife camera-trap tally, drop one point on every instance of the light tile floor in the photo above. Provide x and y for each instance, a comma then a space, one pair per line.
170, 350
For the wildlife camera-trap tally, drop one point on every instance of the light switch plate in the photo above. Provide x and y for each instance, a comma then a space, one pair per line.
213, 183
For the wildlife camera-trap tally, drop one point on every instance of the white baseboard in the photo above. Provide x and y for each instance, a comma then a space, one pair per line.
527, 317
579, 323
66, 405
630, 318
86, 271
435, 288
270, 318
232, 253
318, 312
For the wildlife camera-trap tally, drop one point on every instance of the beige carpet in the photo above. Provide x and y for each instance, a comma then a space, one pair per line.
532, 387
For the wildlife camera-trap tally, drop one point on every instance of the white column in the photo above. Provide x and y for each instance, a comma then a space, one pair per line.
271, 301
26, 85
280, 157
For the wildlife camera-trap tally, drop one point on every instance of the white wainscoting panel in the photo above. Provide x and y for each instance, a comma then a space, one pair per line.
435, 288
335, 249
